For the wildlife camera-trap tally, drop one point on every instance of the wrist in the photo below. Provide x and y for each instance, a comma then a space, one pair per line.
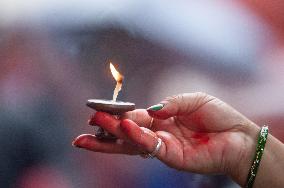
241, 163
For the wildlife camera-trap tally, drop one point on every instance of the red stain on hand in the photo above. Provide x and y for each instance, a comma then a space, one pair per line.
126, 126
200, 138
80, 140
91, 121
102, 118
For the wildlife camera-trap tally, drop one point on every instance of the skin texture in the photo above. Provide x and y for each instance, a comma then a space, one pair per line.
199, 133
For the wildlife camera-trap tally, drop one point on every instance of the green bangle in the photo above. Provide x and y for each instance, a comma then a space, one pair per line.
262, 137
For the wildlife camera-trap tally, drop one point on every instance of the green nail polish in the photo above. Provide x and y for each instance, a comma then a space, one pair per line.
156, 107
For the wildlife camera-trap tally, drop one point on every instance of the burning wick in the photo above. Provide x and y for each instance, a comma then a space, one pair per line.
118, 78
112, 107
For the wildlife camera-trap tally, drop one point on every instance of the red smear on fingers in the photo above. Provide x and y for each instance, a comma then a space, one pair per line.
91, 121
102, 118
126, 125
131, 129
80, 141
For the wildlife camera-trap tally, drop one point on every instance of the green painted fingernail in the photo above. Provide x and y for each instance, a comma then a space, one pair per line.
156, 107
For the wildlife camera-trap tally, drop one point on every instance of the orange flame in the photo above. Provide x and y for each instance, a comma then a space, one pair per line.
117, 76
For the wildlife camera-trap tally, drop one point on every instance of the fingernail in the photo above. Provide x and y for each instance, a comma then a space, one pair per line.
75, 143
156, 107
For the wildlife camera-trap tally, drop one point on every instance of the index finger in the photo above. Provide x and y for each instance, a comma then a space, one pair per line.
140, 117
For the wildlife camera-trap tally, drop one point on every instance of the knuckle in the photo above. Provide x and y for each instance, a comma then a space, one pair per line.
129, 115
204, 96
174, 98
187, 102
140, 139
201, 94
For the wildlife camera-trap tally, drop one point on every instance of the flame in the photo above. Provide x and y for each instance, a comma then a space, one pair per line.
117, 76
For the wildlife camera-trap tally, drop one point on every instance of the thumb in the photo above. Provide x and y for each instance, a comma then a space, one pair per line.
178, 105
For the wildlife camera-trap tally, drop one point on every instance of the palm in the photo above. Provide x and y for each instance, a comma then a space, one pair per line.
199, 140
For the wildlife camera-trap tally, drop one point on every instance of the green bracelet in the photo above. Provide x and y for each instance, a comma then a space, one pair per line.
262, 137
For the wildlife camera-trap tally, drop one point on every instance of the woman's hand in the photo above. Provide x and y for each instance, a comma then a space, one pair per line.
199, 133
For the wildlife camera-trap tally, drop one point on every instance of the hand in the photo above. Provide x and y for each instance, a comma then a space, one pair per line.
199, 133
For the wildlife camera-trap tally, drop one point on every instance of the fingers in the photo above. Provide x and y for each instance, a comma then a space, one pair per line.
181, 104
90, 142
141, 138
108, 123
140, 117
144, 138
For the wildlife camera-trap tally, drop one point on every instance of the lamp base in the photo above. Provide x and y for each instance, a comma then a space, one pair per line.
111, 107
